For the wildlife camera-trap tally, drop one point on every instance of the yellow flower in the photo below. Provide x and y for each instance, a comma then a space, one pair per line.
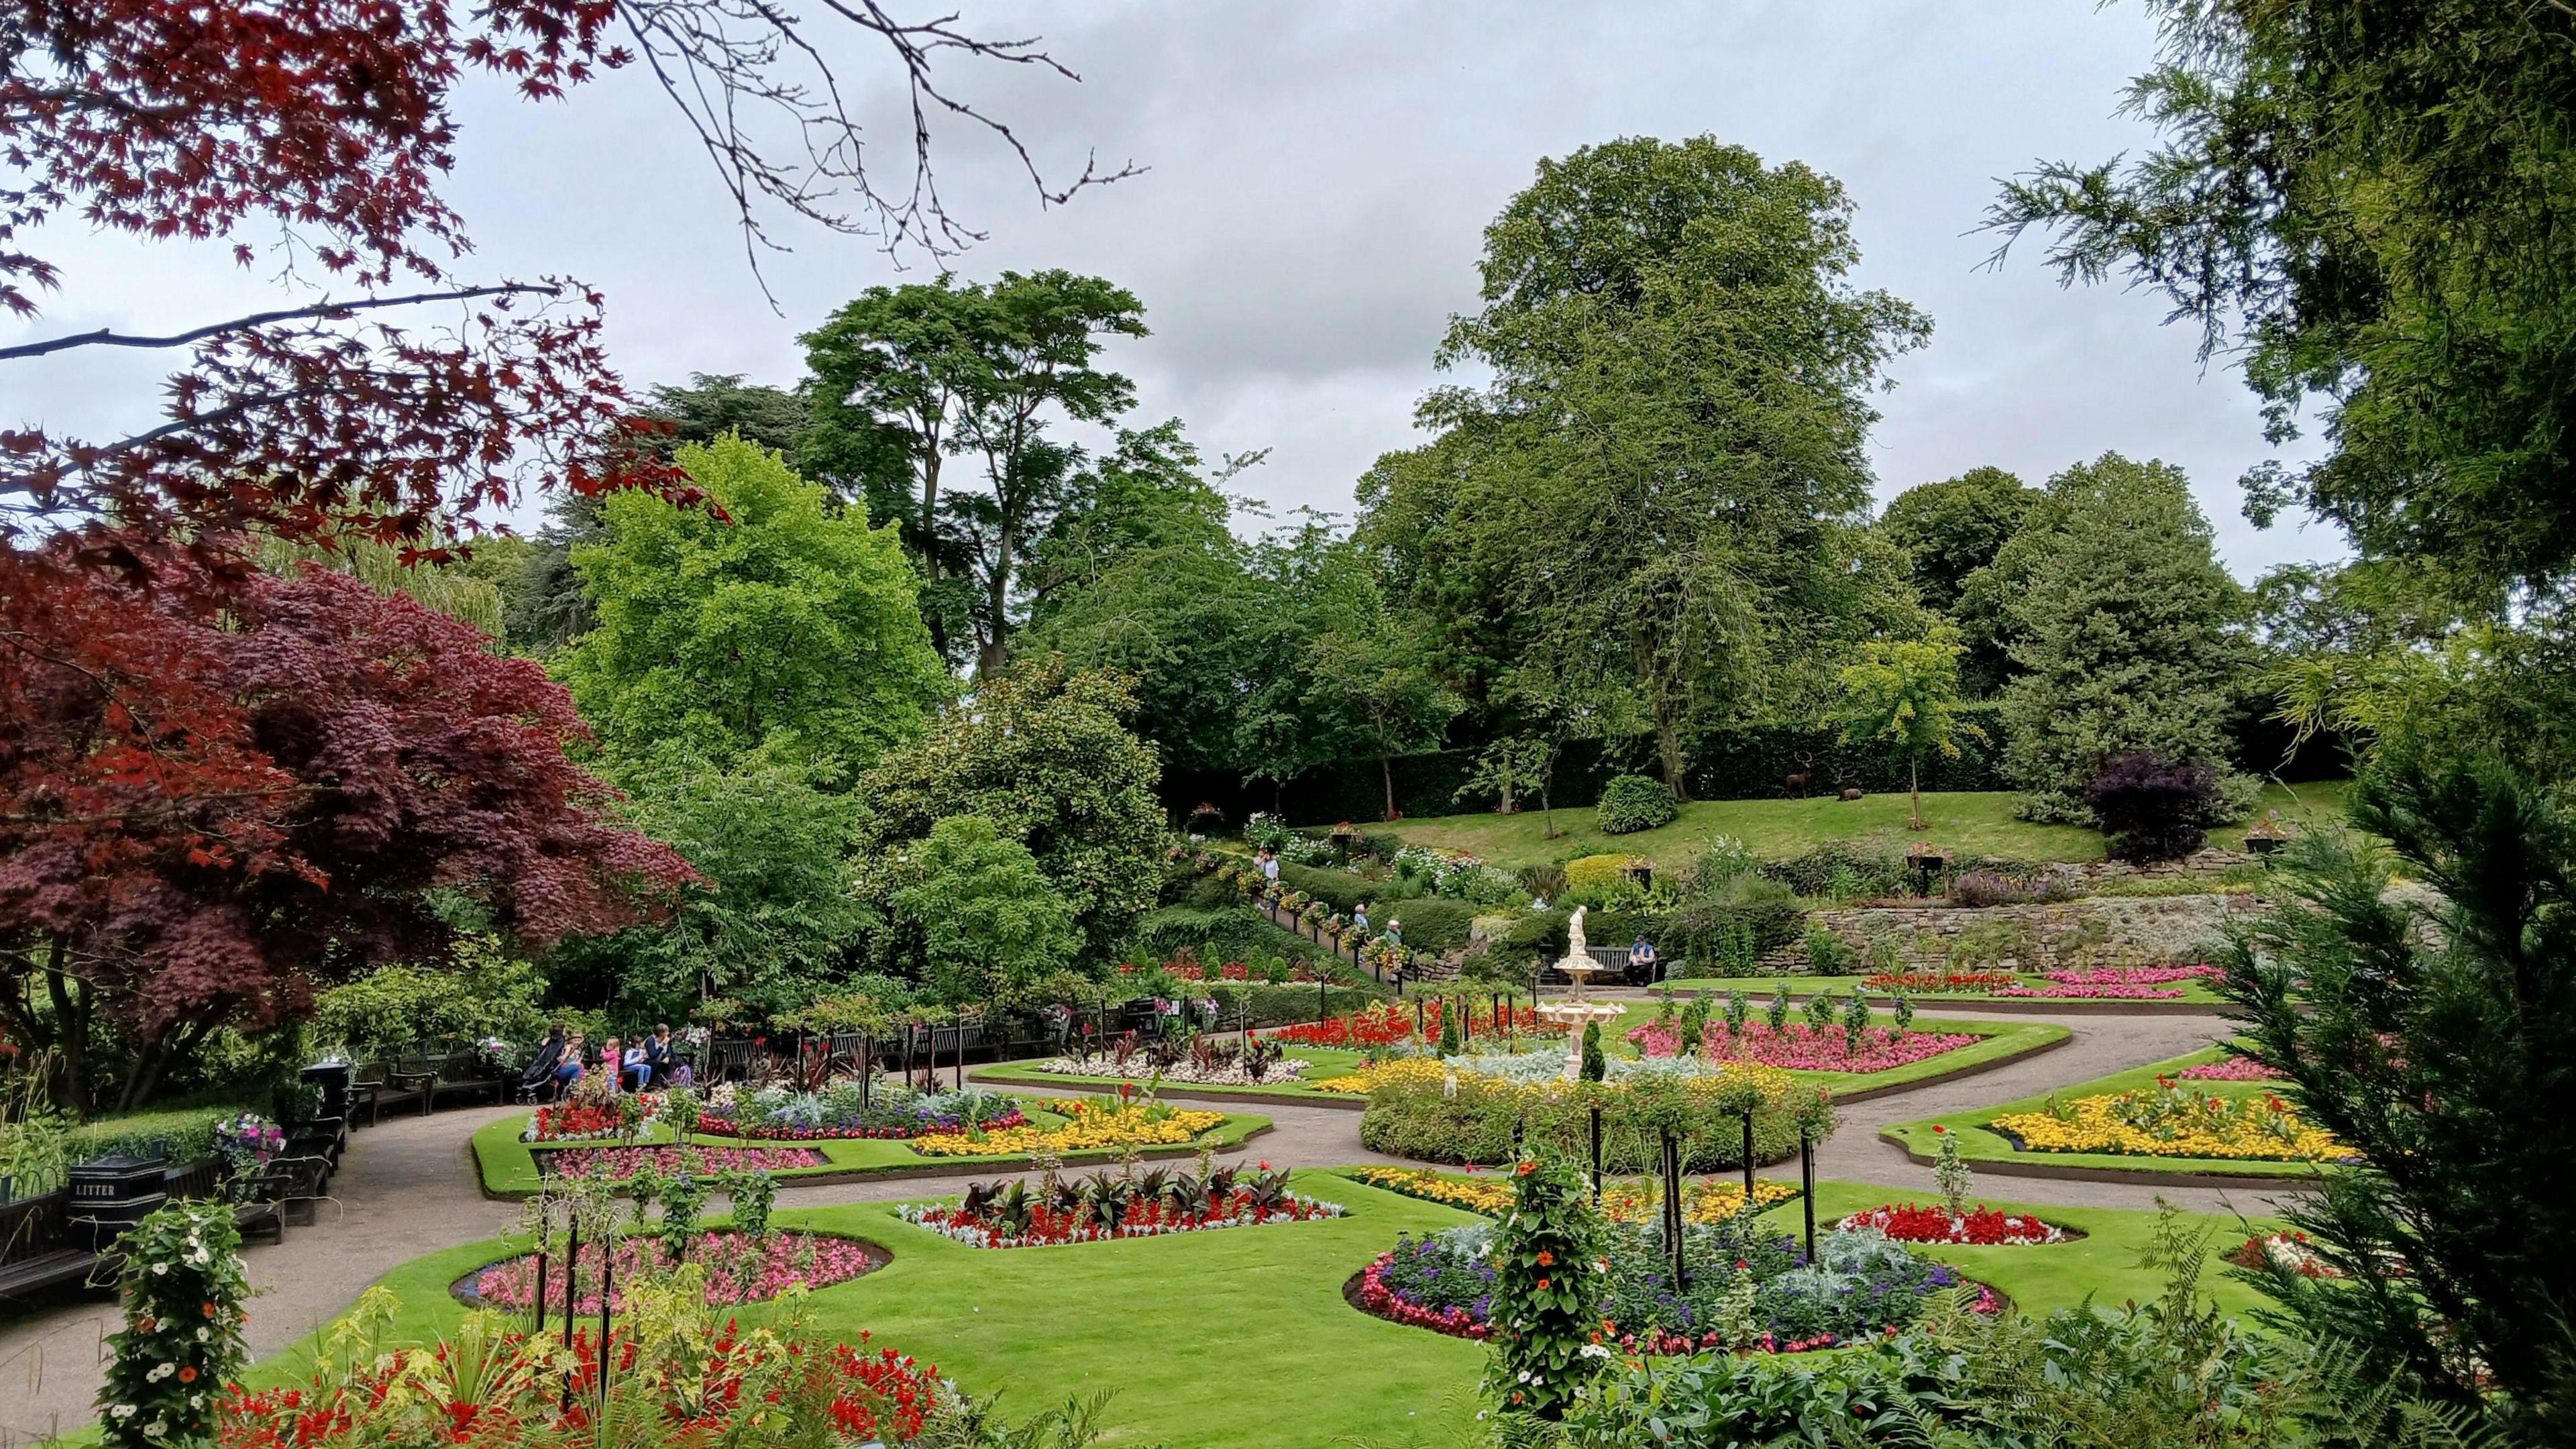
1702, 1201
2153, 1124
1092, 1129
1487, 1197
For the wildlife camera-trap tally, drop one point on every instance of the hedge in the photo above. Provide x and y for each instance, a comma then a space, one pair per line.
1338, 889
1286, 1005
188, 1132
1235, 932
1431, 924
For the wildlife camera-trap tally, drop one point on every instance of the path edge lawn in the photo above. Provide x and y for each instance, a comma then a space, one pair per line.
1027, 1074
1232, 1133
1990, 1151
2015, 1041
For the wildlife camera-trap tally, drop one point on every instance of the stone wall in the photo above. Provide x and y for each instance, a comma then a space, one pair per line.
2106, 931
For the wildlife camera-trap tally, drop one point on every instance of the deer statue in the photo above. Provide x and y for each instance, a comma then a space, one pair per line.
1844, 789
1805, 776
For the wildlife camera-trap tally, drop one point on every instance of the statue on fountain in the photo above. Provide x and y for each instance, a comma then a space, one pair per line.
1575, 949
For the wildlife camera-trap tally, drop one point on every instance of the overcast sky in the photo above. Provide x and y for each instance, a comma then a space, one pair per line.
1319, 177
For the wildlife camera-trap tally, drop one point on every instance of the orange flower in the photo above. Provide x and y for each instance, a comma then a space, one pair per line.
1542, 1285
1526, 1168
187, 1375
1546, 1259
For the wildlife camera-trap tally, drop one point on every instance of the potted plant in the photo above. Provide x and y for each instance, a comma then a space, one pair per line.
2267, 835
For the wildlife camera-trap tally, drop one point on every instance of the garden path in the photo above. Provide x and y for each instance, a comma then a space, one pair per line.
408, 1188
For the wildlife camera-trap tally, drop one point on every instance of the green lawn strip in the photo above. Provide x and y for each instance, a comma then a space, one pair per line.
1323, 1065
1166, 1322
1980, 822
1760, 989
2002, 1039
509, 1168
1979, 1143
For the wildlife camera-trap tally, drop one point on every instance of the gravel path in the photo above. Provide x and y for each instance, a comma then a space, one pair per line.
408, 1188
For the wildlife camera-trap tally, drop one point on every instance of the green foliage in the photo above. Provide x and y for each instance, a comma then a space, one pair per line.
1549, 1285
1777, 1012
1631, 803
1595, 879
1044, 756
772, 918
753, 1195
185, 1133
786, 617
1873, 865
182, 1282
990, 924
1951, 1173
1829, 954
2436, 1036
1950, 530
1738, 1008
1906, 692
1595, 1065
483, 992
1483, 1119
1449, 1032
2131, 638
1433, 925
1731, 925
1855, 1020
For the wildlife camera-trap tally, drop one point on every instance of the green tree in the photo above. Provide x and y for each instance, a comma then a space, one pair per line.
1371, 688
2131, 639
990, 924
1044, 755
1665, 477
782, 617
713, 405
772, 921
1906, 691
2435, 1033
1950, 530
904, 379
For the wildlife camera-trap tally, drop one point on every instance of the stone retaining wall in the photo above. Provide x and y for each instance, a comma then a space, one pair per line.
2107, 931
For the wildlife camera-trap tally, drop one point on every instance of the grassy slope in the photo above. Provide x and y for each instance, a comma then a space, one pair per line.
509, 1169
1241, 1338
1801, 987
1980, 821
1978, 1144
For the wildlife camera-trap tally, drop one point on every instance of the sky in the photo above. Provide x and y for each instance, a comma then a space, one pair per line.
1315, 181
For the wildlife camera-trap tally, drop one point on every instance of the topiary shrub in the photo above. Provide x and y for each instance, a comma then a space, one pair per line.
1630, 803
2153, 807
1595, 1065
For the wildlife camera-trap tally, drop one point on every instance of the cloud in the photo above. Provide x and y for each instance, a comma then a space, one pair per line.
1320, 175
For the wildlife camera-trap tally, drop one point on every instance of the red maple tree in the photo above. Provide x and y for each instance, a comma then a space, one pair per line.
210, 816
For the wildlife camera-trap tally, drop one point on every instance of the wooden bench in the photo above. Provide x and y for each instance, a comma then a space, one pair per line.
416, 1074
285, 1191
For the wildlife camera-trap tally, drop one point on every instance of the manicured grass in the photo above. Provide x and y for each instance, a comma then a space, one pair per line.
509, 1168
1242, 1337
1323, 1065
2002, 1039
1801, 987
1978, 821
1979, 1143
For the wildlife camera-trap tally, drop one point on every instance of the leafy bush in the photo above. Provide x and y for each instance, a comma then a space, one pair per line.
1339, 889
1284, 1005
1982, 888
1744, 916
1538, 933
1548, 1290
1630, 803
1235, 931
1594, 880
2153, 807
1873, 865
1828, 954
484, 993
1417, 1115
1435, 925
1546, 882
188, 1132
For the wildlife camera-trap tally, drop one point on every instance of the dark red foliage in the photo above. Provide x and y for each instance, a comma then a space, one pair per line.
2153, 808
206, 814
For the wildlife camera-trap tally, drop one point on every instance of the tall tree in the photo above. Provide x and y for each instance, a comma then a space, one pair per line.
220, 799
989, 923
2131, 636
1372, 689
917, 375
1663, 471
785, 618
1951, 530
2375, 202
1906, 692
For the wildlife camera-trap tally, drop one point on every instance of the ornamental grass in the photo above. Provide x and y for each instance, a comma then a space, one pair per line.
2172, 1120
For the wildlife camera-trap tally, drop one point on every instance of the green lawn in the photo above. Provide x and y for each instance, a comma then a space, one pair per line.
1978, 1143
1980, 821
1323, 1065
1802, 987
509, 1166
1242, 1338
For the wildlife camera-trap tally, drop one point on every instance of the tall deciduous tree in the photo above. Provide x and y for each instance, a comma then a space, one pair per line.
912, 377
2131, 636
1950, 530
1664, 472
786, 617
1044, 755
1906, 692
219, 799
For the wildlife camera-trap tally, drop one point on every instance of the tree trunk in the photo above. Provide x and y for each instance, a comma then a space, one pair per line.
1508, 808
1546, 798
1386, 772
71, 1017
990, 661
1914, 784
1668, 748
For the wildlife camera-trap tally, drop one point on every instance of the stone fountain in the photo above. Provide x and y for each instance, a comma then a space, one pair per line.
1574, 1009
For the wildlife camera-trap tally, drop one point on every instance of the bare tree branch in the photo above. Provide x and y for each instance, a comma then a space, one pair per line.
326, 310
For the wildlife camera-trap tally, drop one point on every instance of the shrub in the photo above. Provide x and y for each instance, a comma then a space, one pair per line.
484, 992
188, 1133
1981, 888
1339, 889
1828, 954
1232, 932
1631, 803
1595, 1065
1434, 925
1545, 882
1414, 1113
2152, 807
1873, 865
1744, 914
183, 1287
1593, 879
1539, 933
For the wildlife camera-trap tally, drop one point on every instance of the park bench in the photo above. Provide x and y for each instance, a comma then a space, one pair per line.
36, 1251
285, 1191
415, 1073
463, 1074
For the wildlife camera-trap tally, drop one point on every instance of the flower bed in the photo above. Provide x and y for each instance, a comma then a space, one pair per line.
1981, 1226
2286, 1250
1748, 1288
1095, 1126
599, 1120
2234, 1069
842, 1111
2114, 983
1799, 1047
618, 1163
730, 1389
2175, 1121
1232, 1072
1106, 1206
1389, 1023
1704, 1200
738, 1268
1940, 981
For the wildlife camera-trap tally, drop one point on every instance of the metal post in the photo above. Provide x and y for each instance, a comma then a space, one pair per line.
1419, 1029
867, 1067
960, 1076
1807, 1179
1596, 1152
572, 1281
1323, 1007
607, 1269
1748, 1159
541, 1262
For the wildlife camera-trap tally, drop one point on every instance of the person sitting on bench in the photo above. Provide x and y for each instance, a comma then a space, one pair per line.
635, 1068
661, 1056
549, 1056
568, 1070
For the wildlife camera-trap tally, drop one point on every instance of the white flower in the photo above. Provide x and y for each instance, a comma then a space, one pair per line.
160, 1268
203, 1335
160, 1372
123, 1411
157, 1428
